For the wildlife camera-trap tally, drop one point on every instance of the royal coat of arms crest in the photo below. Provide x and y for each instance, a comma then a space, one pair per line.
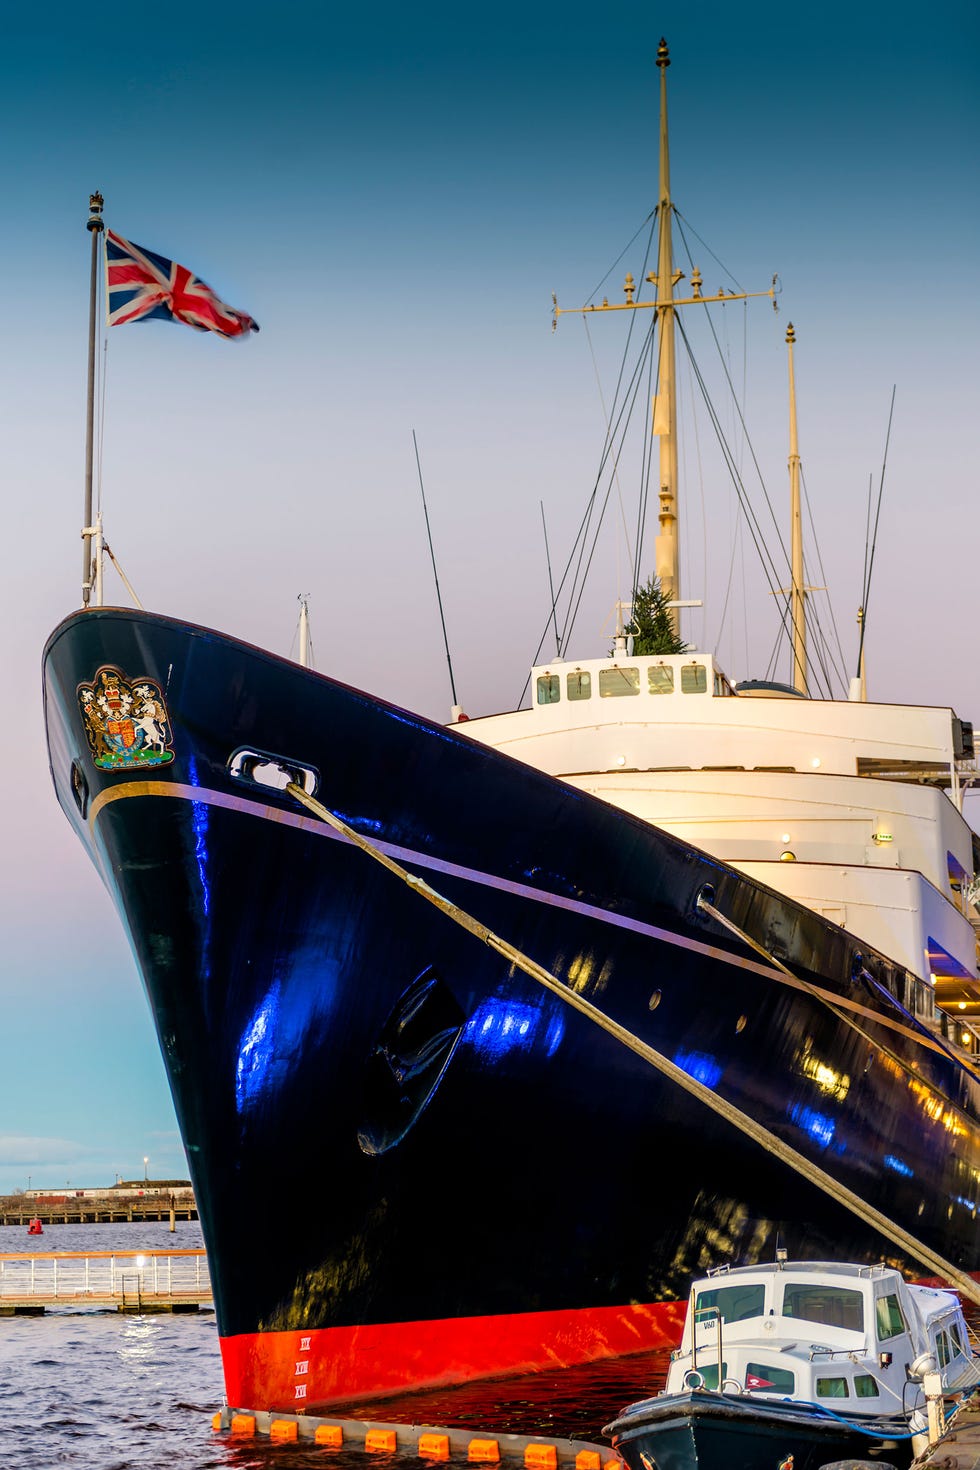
126, 722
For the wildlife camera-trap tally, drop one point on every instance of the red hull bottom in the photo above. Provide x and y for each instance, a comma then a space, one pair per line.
304, 1372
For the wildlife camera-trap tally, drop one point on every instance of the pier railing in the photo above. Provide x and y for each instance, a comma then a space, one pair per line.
130, 1280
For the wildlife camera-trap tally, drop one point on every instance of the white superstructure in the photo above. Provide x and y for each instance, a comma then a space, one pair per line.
853, 809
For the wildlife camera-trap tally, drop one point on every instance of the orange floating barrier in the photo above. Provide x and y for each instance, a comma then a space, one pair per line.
483, 1449
541, 1456
331, 1435
381, 1441
588, 1460
243, 1423
216, 1421
284, 1430
434, 1446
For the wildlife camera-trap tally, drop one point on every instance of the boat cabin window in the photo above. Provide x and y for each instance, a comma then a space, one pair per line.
616, 681
694, 679
709, 1373
948, 1346
660, 679
865, 1386
888, 1317
832, 1388
760, 1377
578, 684
549, 689
735, 1303
832, 1306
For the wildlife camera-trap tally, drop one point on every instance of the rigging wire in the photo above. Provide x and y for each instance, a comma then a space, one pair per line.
768, 565
551, 583
646, 468
841, 667
578, 550
626, 414
874, 538
435, 574
650, 220
605, 415
741, 417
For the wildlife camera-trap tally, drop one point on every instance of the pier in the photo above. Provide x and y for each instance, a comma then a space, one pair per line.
90, 1208
426, 1442
131, 1281
959, 1447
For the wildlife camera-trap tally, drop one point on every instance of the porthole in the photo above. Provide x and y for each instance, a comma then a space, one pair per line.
655, 1000
741, 1024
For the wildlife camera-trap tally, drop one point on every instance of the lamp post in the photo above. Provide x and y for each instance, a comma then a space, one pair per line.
146, 1160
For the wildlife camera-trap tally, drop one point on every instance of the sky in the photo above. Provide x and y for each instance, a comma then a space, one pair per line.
394, 195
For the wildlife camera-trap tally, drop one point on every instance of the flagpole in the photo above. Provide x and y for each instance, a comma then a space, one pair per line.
95, 227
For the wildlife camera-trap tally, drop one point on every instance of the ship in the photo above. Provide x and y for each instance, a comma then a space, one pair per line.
536, 1014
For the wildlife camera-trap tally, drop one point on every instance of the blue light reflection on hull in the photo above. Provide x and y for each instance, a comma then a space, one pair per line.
499, 1026
257, 1050
898, 1166
700, 1065
820, 1128
199, 821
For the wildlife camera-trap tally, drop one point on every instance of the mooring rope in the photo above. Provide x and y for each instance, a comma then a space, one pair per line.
788, 1155
833, 1003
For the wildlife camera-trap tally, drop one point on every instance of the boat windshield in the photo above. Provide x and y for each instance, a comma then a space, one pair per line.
831, 1306
734, 1303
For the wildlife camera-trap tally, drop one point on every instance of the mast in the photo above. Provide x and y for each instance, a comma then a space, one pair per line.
665, 303
95, 227
797, 588
665, 403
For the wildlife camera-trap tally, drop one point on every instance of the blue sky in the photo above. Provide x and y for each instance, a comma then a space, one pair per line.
394, 196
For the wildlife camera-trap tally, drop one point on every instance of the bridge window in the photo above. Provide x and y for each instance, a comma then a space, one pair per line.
549, 689
832, 1388
865, 1386
734, 1303
660, 679
694, 679
616, 681
833, 1306
578, 684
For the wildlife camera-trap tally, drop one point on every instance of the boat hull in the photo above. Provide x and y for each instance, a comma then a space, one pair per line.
459, 1163
713, 1431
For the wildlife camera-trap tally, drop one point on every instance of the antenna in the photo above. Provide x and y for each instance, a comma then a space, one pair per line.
874, 540
435, 574
551, 584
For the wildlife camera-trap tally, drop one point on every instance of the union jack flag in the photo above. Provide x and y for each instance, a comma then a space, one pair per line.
141, 285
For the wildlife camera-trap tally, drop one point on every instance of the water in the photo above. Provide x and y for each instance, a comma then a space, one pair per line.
98, 1390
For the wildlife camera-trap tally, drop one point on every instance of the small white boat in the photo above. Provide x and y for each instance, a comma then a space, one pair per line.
813, 1360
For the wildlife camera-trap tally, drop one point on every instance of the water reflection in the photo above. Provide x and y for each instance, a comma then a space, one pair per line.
567, 1403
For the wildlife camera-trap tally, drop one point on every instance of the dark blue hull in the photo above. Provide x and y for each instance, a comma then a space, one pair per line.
325, 1030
